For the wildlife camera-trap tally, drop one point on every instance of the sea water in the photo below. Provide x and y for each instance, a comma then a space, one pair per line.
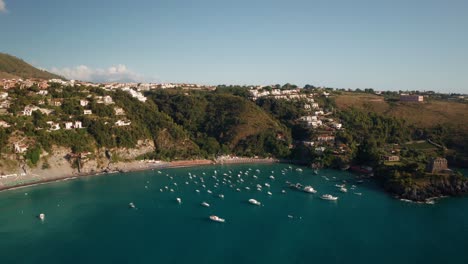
88, 220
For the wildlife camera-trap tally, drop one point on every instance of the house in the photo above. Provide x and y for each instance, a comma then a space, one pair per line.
20, 148
122, 123
56, 101
119, 111
315, 105
107, 100
337, 125
391, 158
78, 124
87, 112
28, 110
84, 102
4, 124
68, 125
411, 98
324, 138
3, 96
307, 106
42, 92
53, 126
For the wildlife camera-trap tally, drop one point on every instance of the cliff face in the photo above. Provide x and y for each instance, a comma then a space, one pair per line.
435, 186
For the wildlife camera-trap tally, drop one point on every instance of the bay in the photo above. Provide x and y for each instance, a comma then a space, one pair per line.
88, 220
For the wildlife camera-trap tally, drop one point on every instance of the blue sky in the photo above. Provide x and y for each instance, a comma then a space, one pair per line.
386, 45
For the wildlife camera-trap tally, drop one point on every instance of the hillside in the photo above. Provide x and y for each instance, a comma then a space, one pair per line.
14, 68
425, 115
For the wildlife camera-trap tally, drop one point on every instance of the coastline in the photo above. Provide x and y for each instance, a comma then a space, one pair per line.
143, 167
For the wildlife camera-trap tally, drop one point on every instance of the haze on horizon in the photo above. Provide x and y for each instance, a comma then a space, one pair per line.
385, 45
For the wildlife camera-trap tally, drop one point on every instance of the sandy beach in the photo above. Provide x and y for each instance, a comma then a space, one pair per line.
42, 176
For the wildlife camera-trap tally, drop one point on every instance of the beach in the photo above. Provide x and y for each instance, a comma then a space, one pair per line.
63, 172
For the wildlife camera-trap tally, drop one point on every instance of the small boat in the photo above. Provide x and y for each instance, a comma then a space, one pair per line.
358, 193
254, 202
340, 185
238, 190
283, 191
205, 204
430, 202
217, 219
316, 172
343, 189
267, 185
221, 196
209, 191
131, 205
299, 169
41, 216
197, 191
179, 200
272, 177
309, 189
329, 197
269, 193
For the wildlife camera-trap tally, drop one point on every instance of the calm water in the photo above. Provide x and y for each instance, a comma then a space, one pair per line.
88, 221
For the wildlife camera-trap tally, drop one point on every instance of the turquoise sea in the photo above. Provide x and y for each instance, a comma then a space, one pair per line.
88, 220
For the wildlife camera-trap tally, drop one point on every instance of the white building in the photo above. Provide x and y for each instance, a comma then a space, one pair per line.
119, 111
87, 112
4, 124
68, 125
20, 148
122, 123
78, 124
84, 102
53, 126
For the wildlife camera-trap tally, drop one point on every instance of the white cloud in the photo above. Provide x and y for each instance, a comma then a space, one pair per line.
112, 74
2, 6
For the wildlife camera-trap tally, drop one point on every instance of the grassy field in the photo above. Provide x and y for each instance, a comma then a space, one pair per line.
425, 114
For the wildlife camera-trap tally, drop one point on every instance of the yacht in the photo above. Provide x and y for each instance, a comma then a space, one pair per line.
179, 200
205, 204
217, 219
131, 205
255, 202
309, 189
41, 216
329, 197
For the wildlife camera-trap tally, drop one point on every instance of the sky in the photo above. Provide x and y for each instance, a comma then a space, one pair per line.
380, 44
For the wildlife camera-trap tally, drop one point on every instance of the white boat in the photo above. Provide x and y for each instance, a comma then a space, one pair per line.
267, 185
131, 205
329, 197
316, 172
205, 204
41, 216
238, 190
283, 191
269, 193
254, 202
358, 193
299, 169
221, 196
272, 177
197, 191
309, 189
339, 185
208, 191
179, 200
343, 189
217, 219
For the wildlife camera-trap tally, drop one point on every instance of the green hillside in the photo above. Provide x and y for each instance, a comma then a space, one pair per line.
12, 67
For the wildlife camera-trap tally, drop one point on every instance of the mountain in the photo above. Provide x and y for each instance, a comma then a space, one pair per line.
12, 67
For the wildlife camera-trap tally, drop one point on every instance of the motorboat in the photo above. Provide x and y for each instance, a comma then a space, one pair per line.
272, 177
179, 200
41, 216
131, 205
254, 202
340, 185
205, 204
269, 193
329, 197
221, 196
309, 189
217, 219
343, 189
299, 169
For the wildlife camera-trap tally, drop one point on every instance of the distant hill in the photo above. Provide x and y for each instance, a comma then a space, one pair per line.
12, 68
426, 114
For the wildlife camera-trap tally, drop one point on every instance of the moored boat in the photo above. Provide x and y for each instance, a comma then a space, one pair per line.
329, 197
309, 189
254, 202
217, 219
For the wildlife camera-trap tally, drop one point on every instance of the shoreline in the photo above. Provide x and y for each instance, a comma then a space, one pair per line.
148, 167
